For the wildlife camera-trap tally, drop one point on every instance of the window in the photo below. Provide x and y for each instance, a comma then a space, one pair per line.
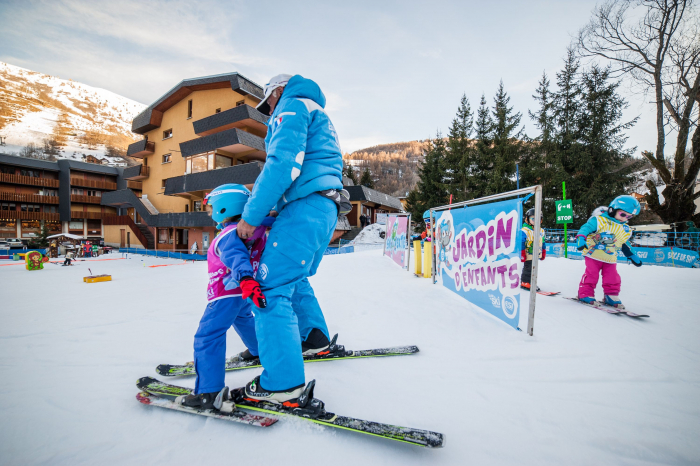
218, 110
187, 207
23, 207
50, 209
223, 162
166, 158
31, 173
162, 184
240, 102
7, 170
76, 191
168, 133
189, 109
197, 206
48, 192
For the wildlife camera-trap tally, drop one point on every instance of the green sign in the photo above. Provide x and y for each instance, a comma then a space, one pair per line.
565, 211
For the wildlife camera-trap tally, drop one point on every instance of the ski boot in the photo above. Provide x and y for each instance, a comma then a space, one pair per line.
588, 300
613, 301
244, 356
299, 400
526, 286
215, 400
317, 344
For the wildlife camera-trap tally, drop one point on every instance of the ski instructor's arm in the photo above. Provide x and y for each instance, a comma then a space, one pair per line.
285, 155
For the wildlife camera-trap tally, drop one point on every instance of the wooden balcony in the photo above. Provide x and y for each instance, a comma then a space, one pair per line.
141, 148
30, 180
75, 181
14, 214
137, 185
85, 199
33, 198
143, 172
88, 215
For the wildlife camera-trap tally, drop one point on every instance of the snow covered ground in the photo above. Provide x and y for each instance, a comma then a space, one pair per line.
589, 388
371, 234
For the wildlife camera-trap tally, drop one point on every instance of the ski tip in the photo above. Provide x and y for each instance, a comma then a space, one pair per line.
145, 381
163, 369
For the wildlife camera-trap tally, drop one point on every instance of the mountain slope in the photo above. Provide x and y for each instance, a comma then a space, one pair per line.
48, 117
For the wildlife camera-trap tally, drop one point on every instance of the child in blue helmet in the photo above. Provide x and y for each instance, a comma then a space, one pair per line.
232, 265
600, 239
427, 235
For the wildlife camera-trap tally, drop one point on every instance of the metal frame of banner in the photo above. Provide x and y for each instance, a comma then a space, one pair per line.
408, 236
537, 191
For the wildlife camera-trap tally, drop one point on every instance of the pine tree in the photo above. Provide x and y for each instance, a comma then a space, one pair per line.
459, 158
482, 162
507, 144
602, 168
350, 173
366, 179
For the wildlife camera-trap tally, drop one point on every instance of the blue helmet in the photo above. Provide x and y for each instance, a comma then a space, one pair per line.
426, 215
227, 200
627, 203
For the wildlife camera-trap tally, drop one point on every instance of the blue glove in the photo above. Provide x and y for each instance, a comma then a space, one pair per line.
635, 260
581, 243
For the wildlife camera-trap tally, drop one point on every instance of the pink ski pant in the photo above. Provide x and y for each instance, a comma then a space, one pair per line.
611, 279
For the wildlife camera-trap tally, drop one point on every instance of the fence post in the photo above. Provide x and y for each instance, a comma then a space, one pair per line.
535, 260
418, 257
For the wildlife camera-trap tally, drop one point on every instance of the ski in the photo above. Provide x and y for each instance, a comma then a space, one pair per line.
549, 293
335, 353
153, 393
605, 308
420, 437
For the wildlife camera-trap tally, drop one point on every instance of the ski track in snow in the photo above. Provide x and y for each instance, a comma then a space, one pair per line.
588, 388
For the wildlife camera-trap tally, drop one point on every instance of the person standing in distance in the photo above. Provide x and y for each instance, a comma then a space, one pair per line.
301, 180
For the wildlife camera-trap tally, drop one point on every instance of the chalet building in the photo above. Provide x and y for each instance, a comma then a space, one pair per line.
370, 202
65, 195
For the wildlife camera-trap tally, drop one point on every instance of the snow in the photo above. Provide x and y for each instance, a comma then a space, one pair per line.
588, 388
371, 234
649, 239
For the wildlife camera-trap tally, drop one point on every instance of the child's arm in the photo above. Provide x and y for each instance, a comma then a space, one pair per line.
235, 256
591, 226
629, 254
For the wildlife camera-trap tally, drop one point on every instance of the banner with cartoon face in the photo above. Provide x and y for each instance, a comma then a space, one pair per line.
477, 255
395, 243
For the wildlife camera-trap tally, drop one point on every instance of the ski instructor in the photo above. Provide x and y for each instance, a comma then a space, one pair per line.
300, 178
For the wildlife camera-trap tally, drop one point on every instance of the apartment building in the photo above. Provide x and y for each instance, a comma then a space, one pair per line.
201, 133
65, 196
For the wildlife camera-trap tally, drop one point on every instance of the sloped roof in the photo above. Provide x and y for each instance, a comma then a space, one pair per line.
363, 193
151, 117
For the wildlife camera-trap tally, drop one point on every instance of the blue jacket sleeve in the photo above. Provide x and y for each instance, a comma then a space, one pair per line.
285, 156
523, 239
627, 249
236, 257
591, 226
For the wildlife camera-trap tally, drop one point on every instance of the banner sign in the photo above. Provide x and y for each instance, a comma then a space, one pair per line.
478, 256
672, 257
395, 243
381, 219
565, 211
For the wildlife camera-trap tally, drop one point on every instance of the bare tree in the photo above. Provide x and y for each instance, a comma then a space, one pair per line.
656, 44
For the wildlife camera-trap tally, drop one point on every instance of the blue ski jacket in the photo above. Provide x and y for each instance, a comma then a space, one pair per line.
235, 254
303, 153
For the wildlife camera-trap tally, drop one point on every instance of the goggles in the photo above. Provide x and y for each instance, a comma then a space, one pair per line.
624, 214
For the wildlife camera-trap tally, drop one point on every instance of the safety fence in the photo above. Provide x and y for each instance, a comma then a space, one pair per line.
164, 253
15, 253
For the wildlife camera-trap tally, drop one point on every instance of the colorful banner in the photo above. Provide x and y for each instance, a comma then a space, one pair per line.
670, 257
478, 256
395, 242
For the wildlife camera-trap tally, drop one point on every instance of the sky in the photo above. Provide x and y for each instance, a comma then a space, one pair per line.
391, 70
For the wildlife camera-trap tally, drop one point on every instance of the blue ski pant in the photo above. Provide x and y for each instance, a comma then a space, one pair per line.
293, 253
210, 340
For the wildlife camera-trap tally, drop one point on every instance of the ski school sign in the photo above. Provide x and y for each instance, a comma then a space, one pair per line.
478, 256
395, 243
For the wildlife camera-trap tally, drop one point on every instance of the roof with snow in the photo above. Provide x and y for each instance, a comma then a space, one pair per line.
151, 117
363, 193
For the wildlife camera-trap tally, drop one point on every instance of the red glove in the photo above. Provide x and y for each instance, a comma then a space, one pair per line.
251, 289
544, 254
523, 255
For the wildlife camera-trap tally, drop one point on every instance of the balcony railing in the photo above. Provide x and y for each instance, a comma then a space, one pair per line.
34, 181
143, 172
86, 199
34, 198
134, 185
19, 215
88, 215
74, 181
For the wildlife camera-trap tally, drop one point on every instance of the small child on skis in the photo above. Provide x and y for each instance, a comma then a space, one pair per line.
527, 238
600, 238
232, 264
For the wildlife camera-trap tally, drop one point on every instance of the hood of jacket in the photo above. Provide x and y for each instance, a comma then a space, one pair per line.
299, 87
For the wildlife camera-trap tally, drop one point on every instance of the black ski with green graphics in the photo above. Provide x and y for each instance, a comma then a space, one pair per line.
335, 353
419, 437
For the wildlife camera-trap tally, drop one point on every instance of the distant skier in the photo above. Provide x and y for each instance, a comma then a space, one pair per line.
527, 238
69, 257
427, 235
600, 238
232, 263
